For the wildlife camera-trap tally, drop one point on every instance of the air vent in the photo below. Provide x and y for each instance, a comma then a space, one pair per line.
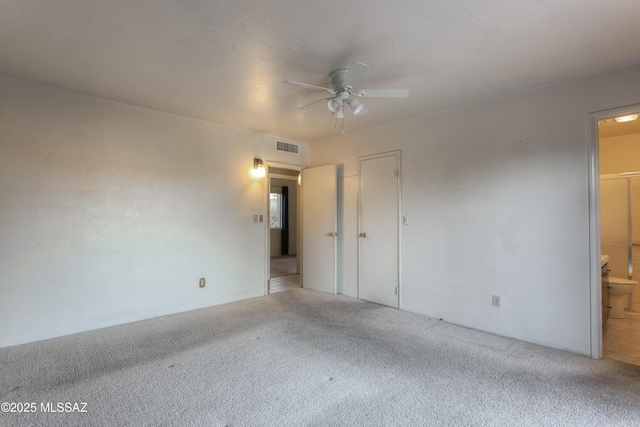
286, 147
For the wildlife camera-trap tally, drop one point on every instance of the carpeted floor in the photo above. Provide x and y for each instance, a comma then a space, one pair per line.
302, 358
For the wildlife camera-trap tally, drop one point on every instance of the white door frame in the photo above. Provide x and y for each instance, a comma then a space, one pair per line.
594, 222
267, 220
397, 153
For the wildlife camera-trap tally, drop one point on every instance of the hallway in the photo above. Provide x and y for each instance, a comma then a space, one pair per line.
284, 275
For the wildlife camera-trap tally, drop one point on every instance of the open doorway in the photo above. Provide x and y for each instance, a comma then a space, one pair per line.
619, 206
284, 230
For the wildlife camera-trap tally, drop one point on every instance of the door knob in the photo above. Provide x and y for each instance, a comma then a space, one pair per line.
332, 234
363, 234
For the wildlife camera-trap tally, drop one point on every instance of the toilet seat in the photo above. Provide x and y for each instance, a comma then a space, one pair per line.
621, 281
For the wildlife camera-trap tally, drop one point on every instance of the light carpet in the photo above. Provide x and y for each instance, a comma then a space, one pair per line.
302, 358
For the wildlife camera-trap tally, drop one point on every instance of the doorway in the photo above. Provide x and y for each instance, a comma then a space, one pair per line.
618, 148
284, 220
379, 228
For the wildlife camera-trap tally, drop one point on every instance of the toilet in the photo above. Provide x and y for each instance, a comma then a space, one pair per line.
618, 289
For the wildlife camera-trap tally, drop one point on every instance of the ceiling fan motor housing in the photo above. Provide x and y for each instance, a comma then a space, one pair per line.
343, 93
338, 77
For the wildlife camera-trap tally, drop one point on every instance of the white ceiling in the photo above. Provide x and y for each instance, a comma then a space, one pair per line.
224, 61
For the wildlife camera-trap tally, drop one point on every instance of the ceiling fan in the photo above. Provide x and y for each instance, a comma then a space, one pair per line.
343, 83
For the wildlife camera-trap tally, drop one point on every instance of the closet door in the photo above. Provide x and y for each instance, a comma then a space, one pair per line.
379, 234
319, 228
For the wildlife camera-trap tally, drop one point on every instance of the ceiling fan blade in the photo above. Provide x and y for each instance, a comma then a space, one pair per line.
383, 93
308, 86
304, 107
355, 74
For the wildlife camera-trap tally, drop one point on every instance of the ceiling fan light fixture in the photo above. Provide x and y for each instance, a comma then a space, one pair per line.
334, 104
339, 113
357, 107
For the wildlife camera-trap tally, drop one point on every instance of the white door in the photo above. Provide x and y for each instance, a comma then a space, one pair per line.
319, 228
379, 229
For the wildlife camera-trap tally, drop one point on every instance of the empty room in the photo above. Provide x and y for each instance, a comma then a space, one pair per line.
332, 213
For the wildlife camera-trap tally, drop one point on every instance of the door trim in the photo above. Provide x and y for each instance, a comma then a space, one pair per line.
398, 155
267, 221
595, 279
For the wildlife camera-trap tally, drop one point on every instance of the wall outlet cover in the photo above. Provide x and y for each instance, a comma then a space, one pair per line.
202, 282
495, 300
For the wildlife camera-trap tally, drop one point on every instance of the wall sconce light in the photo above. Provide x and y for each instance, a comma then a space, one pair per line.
258, 168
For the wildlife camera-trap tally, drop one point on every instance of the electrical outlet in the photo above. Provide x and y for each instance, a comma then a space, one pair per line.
202, 283
405, 220
495, 300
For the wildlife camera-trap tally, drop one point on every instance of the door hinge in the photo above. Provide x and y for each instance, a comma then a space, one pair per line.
397, 173
396, 290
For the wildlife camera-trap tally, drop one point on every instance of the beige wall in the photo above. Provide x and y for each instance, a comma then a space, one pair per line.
619, 154
111, 213
498, 199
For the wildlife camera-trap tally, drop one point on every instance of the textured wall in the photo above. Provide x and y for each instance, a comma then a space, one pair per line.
111, 213
497, 196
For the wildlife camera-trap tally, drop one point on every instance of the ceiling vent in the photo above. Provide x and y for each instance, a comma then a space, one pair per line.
286, 147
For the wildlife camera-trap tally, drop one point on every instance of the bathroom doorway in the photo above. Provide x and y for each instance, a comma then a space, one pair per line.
618, 167
284, 230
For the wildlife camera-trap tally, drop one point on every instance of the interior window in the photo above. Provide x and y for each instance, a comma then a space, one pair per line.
275, 213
